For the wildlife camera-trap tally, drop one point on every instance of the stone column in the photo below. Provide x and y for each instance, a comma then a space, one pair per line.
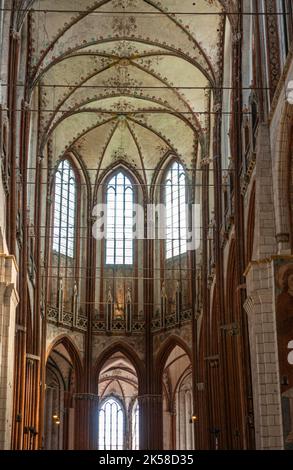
8, 302
260, 307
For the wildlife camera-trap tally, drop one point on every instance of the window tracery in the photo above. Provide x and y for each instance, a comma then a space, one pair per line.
111, 425
119, 224
64, 220
176, 220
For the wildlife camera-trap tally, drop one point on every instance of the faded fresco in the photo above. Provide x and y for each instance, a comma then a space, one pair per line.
284, 319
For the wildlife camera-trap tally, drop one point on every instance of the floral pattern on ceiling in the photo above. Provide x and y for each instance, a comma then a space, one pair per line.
126, 79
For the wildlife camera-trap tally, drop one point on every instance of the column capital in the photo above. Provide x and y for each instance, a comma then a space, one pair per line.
15, 34
86, 396
150, 397
8, 294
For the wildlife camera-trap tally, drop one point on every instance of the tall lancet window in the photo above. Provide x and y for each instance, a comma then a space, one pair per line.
176, 220
64, 210
119, 242
111, 425
135, 426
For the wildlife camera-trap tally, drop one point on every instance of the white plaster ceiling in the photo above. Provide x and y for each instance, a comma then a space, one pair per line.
118, 377
126, 80
177, 367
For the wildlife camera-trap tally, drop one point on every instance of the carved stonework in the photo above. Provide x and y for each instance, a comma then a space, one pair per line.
231, 329
248, 306
283, 237
125, 3
213, 361
273, 45
86, 396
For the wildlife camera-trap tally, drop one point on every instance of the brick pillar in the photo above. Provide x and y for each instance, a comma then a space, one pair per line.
86, 419
8, 302
150, 422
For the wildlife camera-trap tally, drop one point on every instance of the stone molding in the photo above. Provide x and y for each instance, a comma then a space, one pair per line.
86, 396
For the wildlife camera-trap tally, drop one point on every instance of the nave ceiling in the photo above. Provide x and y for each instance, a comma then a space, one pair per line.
126, 80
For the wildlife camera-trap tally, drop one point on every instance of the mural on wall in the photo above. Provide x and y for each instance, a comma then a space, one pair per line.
284, 320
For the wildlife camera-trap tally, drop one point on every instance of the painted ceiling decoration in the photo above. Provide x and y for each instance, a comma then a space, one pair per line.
126, 80
118, 377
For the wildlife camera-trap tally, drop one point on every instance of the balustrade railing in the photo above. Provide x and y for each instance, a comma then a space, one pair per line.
68, 320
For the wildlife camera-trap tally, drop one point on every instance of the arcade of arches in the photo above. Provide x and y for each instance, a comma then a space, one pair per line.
119, 330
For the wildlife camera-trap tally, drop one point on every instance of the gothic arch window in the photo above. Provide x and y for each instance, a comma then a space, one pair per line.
111, 425
119, 221
175, 206
135, 426
64, 219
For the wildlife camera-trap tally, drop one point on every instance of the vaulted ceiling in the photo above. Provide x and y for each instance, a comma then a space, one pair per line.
118, 377
177, 368
126, 80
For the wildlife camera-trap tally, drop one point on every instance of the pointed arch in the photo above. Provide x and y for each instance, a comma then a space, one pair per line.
64, 209
74, 354
175, 198
112, 409
161, 169
129, 353
119, 199
131, 173
122, 202
163, 354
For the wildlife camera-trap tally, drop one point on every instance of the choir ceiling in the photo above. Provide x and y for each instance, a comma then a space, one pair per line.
126, 80
118, 377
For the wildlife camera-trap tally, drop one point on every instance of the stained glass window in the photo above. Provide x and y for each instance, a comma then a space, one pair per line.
135, 426
176, 220
119, 234
111, 425
64, 210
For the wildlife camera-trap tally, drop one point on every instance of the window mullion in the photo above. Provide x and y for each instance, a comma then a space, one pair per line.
175, 186
117, 422
123, 244
67, 222
179, 212
60, 223
105, 422
172, 212
115, 222
60, 207
111, 425
121, 250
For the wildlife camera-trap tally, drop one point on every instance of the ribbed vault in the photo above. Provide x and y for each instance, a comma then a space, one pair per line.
126, 80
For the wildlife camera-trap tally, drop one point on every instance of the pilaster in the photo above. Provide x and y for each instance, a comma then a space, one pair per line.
260, 308
8, 303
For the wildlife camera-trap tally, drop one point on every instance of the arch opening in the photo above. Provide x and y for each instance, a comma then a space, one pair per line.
118, 409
